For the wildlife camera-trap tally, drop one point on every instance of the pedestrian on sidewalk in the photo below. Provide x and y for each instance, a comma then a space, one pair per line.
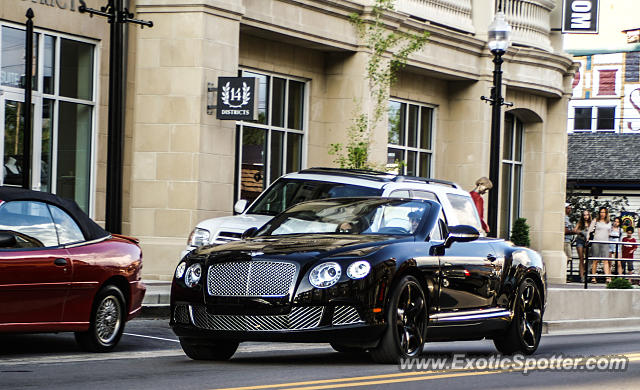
600, 230
627, 252
483, 185
568, 231
582, 232
614, 250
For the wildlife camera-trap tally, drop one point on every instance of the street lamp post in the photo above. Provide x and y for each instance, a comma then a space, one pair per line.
499, 32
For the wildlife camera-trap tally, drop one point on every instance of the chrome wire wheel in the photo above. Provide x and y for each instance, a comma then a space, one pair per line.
530, 304
108, 319
410, 319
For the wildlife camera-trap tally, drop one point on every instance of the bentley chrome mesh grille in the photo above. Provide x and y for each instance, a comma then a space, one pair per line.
299, 318
251, 279
344, 315
181, 314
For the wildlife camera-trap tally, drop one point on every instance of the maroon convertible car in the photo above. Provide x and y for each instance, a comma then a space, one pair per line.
61, 272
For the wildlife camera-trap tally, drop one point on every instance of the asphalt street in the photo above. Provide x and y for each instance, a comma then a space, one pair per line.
149, 357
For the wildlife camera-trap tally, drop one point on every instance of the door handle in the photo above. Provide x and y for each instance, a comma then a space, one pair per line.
491, 257
60, 262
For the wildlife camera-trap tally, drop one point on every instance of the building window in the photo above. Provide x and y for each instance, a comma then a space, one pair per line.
582, 118
63, 110
410, 147
607, 84
273, 144
511, 181
606, 118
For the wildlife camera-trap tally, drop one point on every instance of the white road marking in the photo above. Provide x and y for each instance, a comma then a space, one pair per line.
151, 337
75, 358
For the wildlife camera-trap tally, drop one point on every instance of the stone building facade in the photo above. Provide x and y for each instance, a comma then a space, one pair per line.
182, 165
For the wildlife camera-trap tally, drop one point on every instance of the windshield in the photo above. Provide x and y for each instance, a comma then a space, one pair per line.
284, 193
350, 216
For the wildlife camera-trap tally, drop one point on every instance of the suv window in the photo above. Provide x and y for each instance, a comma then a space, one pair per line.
424, 195
465, 210
30, 222
285, 193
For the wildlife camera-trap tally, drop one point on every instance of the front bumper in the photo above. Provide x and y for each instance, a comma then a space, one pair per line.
340, 324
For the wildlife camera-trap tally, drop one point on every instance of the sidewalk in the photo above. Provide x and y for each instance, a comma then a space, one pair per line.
570, 308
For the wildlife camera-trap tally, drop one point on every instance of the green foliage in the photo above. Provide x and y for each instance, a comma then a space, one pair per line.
389, 52
579, 203
520, 232
619, 283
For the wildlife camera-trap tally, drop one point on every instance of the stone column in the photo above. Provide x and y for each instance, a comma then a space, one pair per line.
182, 166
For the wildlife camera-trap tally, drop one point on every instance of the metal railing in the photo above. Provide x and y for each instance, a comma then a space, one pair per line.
451, 13
530, 21
587, 259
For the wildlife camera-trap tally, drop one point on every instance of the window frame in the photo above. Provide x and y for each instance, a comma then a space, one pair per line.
270, 129
417, 149
38, 100
517, 126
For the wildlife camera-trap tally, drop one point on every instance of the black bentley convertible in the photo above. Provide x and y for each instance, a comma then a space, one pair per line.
365, 274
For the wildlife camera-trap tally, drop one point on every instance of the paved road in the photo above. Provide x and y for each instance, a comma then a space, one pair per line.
149, 357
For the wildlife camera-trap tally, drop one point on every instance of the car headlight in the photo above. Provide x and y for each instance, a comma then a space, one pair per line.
359, 269
325, 275
199, 237
180, 269
193, 274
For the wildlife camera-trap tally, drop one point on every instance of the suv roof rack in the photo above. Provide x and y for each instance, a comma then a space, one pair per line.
401, 178
361, 173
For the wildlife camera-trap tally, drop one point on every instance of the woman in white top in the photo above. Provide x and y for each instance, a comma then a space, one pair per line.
601, 229
615, 250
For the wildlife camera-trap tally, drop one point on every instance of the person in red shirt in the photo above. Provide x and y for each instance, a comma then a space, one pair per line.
627, 252
483, 185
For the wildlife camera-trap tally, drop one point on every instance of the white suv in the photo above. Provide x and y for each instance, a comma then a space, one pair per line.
317, 183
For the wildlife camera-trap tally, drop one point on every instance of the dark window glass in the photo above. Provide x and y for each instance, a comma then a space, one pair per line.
30, 222
76, 69
74, 152
294, 152
68, 230
253, 163
47, 145
49, 67
395, 158
12, 72
13, 142
507, 140
606, 118
517, 146
396, 123
412, 137
425, 127
505, 194
296, 105
582, 118
411, 163
277, 108
425, 164
263, 93
277, 149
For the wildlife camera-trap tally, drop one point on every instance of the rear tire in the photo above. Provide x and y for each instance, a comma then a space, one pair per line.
406, 323
523, 334
107, 321
205, 350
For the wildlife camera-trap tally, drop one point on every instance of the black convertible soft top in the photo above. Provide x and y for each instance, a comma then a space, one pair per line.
90, 229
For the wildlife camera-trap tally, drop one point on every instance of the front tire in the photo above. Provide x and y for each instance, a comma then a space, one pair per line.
406, 323
107, 321
523, 334
205, 350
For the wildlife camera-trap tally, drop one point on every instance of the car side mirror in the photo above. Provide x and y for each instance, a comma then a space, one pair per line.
249, 232
461, 233
7, 240
240, 206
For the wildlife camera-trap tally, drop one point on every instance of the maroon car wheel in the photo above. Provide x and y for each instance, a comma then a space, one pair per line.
107, 321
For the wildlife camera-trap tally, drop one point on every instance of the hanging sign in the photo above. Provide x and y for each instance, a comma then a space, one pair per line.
580, 16
237, 98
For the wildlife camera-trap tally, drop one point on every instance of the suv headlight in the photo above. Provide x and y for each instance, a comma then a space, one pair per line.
193, 274
325, 275
358, 269
199, 237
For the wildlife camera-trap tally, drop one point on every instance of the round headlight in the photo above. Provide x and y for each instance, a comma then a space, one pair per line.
325, 275
193, 274
359, 269
180, 269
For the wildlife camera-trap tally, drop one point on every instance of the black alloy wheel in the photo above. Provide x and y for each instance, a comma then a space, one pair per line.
524, 332
107, 321
406, 323
199, 349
